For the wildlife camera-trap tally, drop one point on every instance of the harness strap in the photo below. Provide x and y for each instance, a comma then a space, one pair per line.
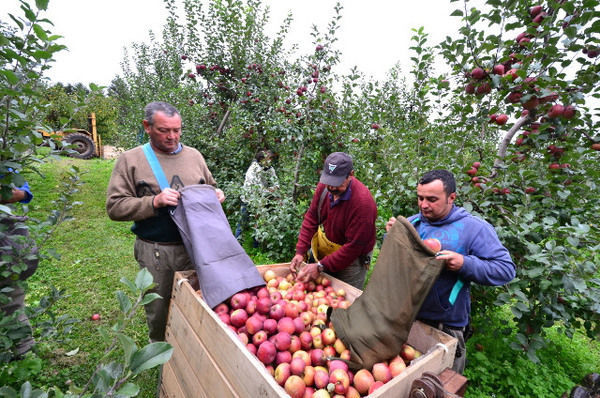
155, 166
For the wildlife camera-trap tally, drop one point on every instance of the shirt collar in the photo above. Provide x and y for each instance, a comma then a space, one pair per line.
345, 196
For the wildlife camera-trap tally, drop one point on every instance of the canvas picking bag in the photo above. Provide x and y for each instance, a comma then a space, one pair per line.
378, 322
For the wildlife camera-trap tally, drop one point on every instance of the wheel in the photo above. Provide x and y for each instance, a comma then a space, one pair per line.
82, 145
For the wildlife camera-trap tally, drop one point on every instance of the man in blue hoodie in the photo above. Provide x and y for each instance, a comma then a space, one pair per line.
471, 250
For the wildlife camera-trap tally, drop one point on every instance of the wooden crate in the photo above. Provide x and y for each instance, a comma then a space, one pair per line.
210, 361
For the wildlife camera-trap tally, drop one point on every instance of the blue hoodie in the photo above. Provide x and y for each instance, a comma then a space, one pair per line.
486, 261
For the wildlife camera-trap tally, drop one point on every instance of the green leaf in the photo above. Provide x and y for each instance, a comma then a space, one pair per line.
40, 32
124, 302
457, 13
41, 4
574, 241
150, 356
129, 347
150, 297
10, 76
143, 279
128, 390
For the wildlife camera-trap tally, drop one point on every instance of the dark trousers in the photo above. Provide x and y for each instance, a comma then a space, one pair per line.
162, 261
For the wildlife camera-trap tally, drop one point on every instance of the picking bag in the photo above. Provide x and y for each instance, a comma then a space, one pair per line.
222, 265
378, 322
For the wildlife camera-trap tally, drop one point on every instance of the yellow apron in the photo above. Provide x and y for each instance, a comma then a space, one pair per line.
321, 246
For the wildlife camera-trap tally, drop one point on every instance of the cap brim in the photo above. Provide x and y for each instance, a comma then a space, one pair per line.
334, 181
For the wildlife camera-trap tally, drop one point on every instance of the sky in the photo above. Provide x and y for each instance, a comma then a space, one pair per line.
374, 35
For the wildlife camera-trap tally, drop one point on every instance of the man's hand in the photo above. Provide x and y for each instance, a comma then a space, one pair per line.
296, 263
168, 197
454, 261
17, 196
220, 195
308, 272
389, 224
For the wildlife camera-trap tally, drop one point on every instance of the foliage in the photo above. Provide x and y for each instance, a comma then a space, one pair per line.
495, 370
539, 189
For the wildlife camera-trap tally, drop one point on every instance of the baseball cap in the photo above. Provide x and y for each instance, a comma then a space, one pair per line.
337, 167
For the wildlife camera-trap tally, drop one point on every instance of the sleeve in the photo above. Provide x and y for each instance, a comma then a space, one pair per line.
359, 233
310, 223
487, 262
28, 195
122, 204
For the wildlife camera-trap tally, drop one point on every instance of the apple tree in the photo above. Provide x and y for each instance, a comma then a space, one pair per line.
526, 77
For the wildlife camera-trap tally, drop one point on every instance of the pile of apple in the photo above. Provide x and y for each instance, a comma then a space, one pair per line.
285, 325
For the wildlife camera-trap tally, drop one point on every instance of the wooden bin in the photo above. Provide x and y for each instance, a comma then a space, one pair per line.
210, 361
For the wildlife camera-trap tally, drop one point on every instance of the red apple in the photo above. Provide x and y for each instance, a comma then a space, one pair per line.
254, 324
374, 387
556, 111
238, 317
283, 356
266, 352
282, 372
259, 337
286, 324
363, 379
295, 344
95, 317
295, 386
397, 365
433, 244
321, 378
498, 69
478, 73
252, 348
381, 372
501, 119
306, 340
340, 379
263, 305
328, 336
221, 308
317, 357
302, 354
297, 366
270, 326
239, 300
277, 311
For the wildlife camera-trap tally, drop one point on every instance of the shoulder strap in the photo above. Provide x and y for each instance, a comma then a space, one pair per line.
155, 166
321, 200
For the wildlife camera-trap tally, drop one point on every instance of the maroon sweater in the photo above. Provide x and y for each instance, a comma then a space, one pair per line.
350, 223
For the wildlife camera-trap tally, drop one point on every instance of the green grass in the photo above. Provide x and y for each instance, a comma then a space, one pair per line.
97, 252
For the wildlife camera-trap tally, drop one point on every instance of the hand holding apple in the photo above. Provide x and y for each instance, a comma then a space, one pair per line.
307, 273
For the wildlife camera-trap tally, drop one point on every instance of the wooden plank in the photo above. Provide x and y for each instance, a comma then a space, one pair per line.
453, 382
198, 367
247, 375
169, 386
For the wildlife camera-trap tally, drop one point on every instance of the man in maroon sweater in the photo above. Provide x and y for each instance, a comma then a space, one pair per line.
347, 215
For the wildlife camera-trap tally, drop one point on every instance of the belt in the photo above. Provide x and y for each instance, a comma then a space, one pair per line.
440, 325
161, 243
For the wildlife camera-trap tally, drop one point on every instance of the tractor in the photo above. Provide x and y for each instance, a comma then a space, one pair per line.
85, 144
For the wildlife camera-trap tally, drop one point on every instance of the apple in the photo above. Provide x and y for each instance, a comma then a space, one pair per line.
302, 354
238, 317
530, 190
276, 311
282, 341
554, 166
309, 375
266, 352
433, 244
282, 373
95, 317
556, 111
472, 171
295, 344
569, 112
595, 146
291, 310
381, 372
397, 365
297, 366
328, 336
317, 357
498, 69
339, 346
375, 126
239, 300
263, 305
259, 337
483, 88
363, 379
262, 292
286, 324
295, 386
374, 387
407, 352
270, 326
252, 348
269, 274
306, 340
501, 119
470, 88
478, 73
254, 324
283, 356
222, 308
251, 306
340, 379
514, 97
352, 393
321, 378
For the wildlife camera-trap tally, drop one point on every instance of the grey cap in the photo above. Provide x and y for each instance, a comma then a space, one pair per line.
336, 169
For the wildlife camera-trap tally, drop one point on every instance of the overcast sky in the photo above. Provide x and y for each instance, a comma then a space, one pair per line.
374, 34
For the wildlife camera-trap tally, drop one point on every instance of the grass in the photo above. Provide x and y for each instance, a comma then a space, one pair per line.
97, 252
